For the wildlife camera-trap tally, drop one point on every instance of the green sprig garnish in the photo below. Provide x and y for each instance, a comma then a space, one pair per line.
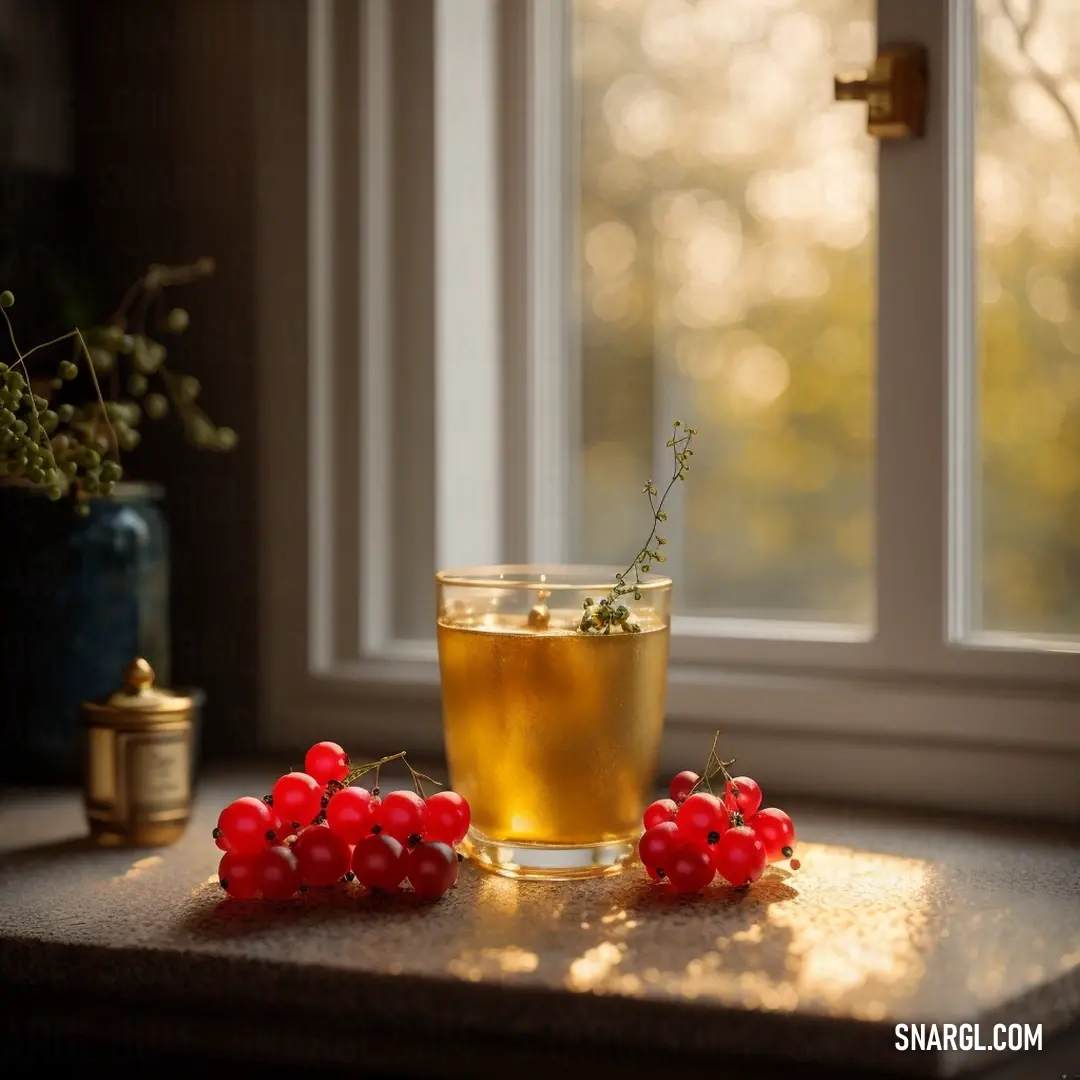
599, 617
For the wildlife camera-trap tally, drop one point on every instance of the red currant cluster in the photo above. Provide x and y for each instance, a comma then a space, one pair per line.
317, 828
694, 834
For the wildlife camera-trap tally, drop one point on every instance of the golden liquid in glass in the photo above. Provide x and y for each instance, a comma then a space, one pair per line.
553, 735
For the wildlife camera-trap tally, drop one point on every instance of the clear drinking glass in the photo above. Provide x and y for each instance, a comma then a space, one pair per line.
552, 734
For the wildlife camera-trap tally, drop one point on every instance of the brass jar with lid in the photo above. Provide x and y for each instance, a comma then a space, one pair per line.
140, 745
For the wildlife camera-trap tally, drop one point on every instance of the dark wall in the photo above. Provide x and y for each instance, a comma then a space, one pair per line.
41, 222
164, 156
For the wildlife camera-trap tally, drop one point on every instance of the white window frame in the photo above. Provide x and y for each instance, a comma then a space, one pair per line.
920, 711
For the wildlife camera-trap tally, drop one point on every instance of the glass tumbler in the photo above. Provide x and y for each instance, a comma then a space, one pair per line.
552, 734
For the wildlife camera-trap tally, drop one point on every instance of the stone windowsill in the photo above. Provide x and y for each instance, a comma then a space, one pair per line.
887, 921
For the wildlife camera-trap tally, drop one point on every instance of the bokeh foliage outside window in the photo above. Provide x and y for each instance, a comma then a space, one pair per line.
727, 258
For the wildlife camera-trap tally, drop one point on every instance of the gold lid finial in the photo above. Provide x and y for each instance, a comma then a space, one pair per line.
138, 693
138, 676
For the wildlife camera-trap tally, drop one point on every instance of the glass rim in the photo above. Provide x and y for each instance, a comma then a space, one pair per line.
595, 579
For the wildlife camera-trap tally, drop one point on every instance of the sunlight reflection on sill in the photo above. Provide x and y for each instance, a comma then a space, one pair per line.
594, 966
473, 965
851, 940
499, 894
139, 867
863, 943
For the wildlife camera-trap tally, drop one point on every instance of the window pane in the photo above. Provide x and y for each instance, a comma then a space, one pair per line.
1027, 179
727, 251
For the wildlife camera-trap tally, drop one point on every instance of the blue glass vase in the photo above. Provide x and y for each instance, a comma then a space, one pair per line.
79, 598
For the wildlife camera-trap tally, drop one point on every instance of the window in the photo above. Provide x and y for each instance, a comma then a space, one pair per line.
1027, 206
577, 221
728, 219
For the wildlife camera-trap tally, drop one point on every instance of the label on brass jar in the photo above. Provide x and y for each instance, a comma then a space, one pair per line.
157, 771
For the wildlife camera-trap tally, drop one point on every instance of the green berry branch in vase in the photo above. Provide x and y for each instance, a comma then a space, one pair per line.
65, 432
600, 616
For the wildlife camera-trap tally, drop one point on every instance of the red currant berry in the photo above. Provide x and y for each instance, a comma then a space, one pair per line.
661, 810
748, 799
236, 873
323, 857
702, 819
349, 813
326, 761
401, 815
775, 830
282, 830
243, 825
379, 862
446, 817
657, 843
431, 868
297, 797
739, 858
277, 875
220, 841
689, 868
682, 784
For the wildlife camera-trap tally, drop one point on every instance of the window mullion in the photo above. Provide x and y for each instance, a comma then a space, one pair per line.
552, 367
539, 351
911, 485
320, 336
467, 338
375, 307
963, 383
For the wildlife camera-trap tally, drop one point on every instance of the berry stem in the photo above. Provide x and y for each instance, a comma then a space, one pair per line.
713, 767
418, 778
158, 278
97, 390
706, 775
354, 774
44, 345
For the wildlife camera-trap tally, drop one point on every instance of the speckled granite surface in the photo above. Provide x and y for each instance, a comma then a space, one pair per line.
886, 922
